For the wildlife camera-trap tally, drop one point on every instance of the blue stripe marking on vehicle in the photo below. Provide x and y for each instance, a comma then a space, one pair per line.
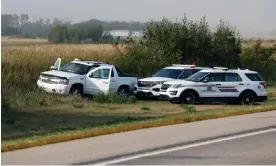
229, 90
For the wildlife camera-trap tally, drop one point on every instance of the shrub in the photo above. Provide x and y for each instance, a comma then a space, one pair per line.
167, 42
143, 60
261, 59
144, 108
226, 46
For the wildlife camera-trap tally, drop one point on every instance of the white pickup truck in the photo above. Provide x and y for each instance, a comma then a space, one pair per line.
86, 77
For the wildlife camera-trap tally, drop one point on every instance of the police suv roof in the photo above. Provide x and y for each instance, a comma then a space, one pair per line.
181, 66
228, 70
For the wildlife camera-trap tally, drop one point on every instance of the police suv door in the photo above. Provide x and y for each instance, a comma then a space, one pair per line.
213, 86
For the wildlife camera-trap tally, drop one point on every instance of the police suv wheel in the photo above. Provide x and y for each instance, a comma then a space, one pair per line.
248, 99
188, 98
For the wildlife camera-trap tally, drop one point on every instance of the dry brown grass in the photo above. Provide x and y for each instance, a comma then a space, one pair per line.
7, 41
264, 44
21, 65
68, 136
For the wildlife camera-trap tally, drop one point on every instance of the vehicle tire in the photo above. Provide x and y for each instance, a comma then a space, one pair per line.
247, 99
123, 91
76, 91
188, 98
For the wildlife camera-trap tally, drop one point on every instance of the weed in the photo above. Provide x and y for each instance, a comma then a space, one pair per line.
188, 108
114, 99
78, 105
145, 108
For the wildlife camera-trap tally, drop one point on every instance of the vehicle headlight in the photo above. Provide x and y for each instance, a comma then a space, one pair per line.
64, 81
177, 86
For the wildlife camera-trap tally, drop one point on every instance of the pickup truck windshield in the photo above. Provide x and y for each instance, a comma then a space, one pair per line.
170, 73
76, 68
197, 76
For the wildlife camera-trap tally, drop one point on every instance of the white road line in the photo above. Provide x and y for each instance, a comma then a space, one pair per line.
147, 154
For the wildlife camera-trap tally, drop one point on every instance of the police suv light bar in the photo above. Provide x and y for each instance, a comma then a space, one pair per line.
220, 68
180, 65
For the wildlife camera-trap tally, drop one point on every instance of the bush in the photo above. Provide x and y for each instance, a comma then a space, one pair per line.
186, 42
143, 60
261, 59
226, 46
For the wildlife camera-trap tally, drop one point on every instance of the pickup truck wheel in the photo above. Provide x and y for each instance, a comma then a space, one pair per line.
123, 91
76, 91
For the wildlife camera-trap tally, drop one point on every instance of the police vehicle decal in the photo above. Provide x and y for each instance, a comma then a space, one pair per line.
227, 89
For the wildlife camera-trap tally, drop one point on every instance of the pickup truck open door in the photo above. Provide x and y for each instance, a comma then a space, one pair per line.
98, 80
56, 65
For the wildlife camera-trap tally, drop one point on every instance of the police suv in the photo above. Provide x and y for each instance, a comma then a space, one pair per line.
217, 85
150, 86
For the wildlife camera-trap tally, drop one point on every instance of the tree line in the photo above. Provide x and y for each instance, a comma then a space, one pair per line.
167, 42
58, 31
91, 31
86, 33
22, 26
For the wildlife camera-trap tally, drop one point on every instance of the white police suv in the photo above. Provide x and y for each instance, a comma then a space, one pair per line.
150, 86
217, 85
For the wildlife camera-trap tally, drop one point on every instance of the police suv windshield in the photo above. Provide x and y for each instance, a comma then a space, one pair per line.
197, 76
76, 68
169, 73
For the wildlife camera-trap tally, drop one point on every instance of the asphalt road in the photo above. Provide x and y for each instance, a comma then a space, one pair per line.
253, 150
93, 150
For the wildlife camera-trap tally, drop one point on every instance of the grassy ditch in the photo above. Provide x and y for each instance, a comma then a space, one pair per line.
128, 125
70, 118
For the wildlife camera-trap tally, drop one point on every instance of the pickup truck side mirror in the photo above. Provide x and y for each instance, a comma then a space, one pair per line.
93, 76
53, 68
90, 75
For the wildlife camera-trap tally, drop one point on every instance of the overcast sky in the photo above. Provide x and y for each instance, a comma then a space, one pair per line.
246, 15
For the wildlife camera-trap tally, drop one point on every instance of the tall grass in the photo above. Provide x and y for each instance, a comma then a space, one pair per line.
22, 65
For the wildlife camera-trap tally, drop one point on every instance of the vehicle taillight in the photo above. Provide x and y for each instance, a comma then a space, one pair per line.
263, 84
